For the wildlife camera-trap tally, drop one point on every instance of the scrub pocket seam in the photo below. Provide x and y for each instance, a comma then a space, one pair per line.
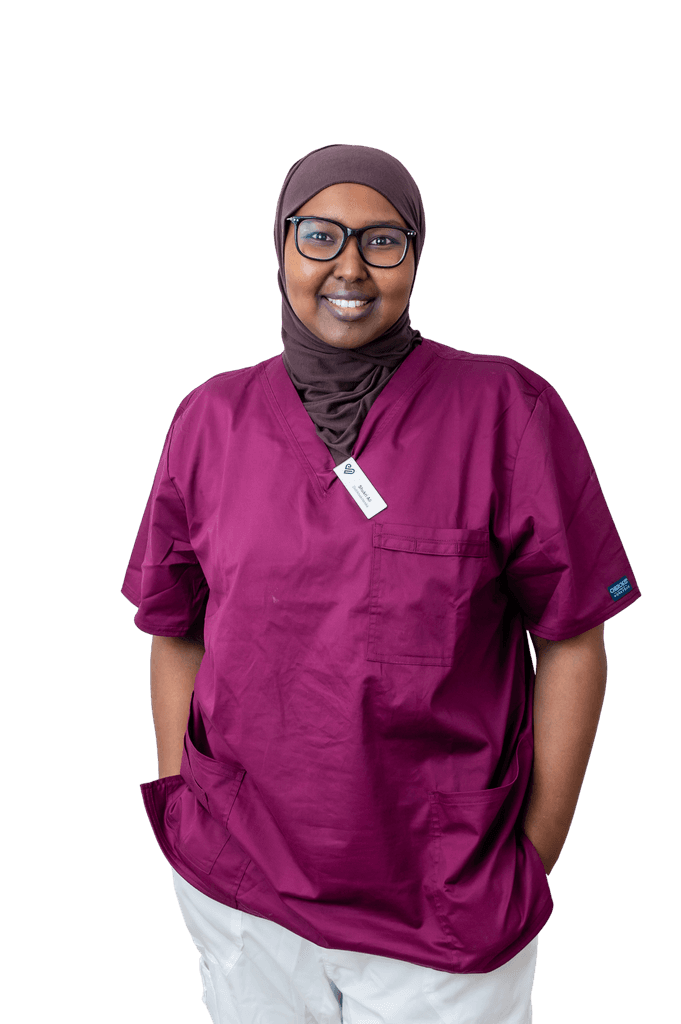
199, 771
442, 810
443, 547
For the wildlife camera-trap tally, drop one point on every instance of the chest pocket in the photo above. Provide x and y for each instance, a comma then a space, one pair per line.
422, 579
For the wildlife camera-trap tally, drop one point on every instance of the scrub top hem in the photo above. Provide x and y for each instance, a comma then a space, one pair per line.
530, 932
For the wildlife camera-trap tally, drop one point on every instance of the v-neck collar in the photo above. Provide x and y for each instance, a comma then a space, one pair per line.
300, 430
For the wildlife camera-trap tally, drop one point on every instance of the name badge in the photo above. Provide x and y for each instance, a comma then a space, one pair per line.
359, 487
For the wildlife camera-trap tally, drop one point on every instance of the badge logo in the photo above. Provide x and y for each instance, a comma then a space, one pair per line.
348, 469
620, 588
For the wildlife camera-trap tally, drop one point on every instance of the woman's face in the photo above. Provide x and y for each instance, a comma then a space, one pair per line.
310, 285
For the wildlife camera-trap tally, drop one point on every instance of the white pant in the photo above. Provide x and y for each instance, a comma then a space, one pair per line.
255, 971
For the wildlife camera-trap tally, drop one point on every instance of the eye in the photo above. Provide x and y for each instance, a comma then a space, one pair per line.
317, 237
384, 239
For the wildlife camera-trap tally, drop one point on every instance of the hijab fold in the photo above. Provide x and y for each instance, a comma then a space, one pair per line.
338, 386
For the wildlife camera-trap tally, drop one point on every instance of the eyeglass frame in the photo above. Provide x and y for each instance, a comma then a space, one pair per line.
348, 233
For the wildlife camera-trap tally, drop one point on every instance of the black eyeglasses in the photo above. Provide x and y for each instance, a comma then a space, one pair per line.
380, 245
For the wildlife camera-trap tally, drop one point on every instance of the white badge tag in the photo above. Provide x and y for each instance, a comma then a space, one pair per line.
358, 485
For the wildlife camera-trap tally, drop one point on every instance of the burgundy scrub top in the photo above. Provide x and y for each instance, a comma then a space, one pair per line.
359, 744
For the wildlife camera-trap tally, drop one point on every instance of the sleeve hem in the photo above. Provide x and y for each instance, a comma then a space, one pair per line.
128, 592
183, 634
595, 620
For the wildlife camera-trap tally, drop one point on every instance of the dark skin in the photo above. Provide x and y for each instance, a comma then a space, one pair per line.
309, 283
571, 674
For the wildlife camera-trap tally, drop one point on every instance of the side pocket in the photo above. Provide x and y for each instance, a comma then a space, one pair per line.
189, 837
486, 887
214, 783
466, 829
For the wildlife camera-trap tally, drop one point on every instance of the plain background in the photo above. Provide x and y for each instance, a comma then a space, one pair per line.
145, 144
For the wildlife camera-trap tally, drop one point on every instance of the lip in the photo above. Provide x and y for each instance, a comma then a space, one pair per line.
358, 313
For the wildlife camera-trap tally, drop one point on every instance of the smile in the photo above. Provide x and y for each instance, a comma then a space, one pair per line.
348, 309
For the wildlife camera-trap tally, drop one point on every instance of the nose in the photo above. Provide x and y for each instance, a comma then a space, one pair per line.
350, 266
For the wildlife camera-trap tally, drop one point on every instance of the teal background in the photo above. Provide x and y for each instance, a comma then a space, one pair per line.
143, 147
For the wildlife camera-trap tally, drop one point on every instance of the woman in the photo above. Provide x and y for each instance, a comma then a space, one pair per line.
362, 531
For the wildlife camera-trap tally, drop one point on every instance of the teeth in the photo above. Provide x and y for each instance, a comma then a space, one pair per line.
349, 303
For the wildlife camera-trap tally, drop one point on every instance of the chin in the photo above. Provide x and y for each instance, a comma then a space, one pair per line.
347, 342
345, 338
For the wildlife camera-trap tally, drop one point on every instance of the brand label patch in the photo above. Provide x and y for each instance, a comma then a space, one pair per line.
619, 589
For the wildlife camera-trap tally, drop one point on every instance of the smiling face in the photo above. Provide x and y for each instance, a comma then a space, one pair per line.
312, 286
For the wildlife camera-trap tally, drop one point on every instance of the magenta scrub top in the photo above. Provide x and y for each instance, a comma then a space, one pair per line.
359, 744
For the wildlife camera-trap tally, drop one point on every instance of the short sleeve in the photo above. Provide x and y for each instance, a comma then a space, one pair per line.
164, 578
567, 569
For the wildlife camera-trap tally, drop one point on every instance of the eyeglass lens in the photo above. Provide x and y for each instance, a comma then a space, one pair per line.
382, 246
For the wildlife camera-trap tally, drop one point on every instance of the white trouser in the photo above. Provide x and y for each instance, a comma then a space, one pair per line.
255, 971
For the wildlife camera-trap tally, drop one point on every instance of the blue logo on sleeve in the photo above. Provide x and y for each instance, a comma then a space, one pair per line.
619, 589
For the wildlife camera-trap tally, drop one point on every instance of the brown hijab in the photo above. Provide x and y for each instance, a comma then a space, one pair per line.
338, 386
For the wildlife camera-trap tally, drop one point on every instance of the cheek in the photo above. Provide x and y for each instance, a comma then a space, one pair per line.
302, 279
398, 286
302, 294
396, 292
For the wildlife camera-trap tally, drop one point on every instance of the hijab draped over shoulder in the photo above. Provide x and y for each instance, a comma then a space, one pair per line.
337, 385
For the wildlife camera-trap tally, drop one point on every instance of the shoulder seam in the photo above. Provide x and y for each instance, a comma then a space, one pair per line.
225, 373
515, 463
481, 358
